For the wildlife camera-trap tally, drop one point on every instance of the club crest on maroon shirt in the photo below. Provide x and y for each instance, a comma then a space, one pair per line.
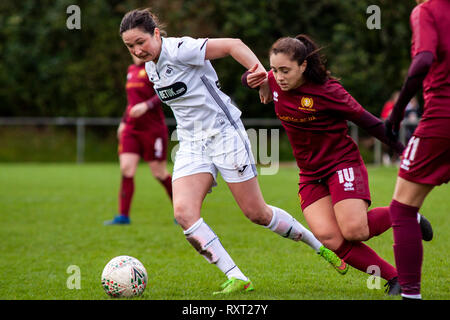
306, 103
142, 73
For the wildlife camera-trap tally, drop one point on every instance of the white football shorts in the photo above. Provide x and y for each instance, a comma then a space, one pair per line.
228, 152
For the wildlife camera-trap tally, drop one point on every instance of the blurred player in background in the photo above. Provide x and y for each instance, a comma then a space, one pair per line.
212, 139
411, 118
389, 105
142, 133
334, 187
389, 156
426, 159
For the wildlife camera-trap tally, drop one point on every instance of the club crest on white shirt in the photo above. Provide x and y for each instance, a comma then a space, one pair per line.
169, 71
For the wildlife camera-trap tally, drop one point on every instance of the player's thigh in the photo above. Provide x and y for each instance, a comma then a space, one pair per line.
322, 222
249, 198
350, 194
188, 195
411, 193
128, 163
351, 216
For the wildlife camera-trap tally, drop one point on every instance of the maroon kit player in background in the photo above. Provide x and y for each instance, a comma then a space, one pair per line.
334, 190
141, 133
426, 159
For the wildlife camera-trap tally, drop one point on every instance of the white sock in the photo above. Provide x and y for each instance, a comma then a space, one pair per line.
206, 242
287, 226
412, 296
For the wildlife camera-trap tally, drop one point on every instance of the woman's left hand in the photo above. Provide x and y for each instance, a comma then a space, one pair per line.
265, 95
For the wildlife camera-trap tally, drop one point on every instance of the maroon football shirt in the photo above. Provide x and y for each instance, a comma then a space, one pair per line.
314, 117
140, 89
430, 24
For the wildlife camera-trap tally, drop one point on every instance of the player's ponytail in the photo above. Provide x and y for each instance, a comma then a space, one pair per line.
144, 19
302, 48
315, 70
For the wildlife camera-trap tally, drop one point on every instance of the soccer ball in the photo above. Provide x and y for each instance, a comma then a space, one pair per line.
124, 276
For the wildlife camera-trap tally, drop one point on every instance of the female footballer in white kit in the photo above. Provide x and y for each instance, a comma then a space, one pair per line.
211, 137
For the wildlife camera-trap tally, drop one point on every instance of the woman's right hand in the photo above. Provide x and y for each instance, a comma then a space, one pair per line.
256, 78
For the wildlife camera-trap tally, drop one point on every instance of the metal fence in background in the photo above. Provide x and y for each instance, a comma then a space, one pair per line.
81, 123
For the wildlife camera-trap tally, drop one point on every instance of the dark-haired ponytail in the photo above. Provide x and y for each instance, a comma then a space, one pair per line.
315, 70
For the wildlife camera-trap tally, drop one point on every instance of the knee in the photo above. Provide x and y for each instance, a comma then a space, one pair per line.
127, 169
330, 240
180, 211
158, 169
355, 232
261, 215
159, 174
185, 216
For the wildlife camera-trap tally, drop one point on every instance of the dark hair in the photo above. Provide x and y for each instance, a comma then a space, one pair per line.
143, 19
302, 48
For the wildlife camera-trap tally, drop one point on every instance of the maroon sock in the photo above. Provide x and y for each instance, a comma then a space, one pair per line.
361, 257
167, 184
125, 195
379, 220
408, 250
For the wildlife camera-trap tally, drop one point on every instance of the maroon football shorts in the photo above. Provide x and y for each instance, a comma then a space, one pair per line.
346, 183
426, 161
148, 145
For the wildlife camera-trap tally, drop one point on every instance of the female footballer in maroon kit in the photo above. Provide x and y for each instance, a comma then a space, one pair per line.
334, 190
426, 159
142, 133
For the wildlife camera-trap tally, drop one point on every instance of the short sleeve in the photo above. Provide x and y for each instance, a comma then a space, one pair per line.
424, 33
191, 51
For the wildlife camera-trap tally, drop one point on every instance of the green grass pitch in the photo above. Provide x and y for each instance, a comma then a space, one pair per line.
51, 218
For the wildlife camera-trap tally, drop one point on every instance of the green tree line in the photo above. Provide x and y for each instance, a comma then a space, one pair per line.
49, 70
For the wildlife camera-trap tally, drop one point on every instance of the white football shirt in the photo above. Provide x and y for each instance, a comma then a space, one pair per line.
188, 83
